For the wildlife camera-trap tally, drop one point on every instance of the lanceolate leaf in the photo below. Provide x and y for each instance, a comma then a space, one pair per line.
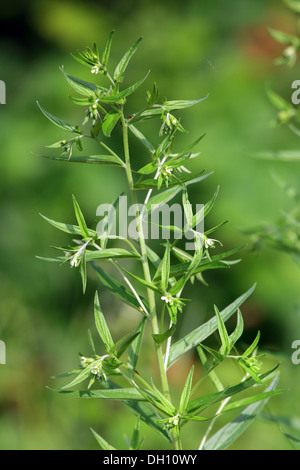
83, 87
114, 98
59, 122
110, 253
200, 404
93, 159
109, 394
198, 335
101, 325
122, 65
80, 218
106, 52
69, 228
118, 289
229, 433
135, 347
153, 183
102, 442
185, 396
182, 104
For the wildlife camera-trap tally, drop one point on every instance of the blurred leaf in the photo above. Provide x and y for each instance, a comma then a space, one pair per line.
283, 38
282, 155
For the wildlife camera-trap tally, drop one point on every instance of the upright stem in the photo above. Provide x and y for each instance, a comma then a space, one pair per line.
145, 264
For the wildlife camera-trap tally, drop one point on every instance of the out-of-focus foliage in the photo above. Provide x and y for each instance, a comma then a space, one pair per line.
43, 311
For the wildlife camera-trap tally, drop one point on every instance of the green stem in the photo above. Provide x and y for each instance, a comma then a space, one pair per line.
145, 264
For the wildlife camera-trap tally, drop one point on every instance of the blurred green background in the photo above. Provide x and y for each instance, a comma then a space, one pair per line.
193, 48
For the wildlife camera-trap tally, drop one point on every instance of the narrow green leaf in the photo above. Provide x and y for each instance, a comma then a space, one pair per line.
237, 333
101, 325
252, 399
114, 98
106, 394
182, 104
127, 343
83, 273
201, 403
93, 159
107, 48
162, 198
198, 335
83, 87
252, 346
153, 183
229, 433
135, 442
113, 253
68, 228
186, 392
135, 347
122, 65
118, 289
80, 218
283, 38
222, 332
187, 210
142, 138
59, 122
277, 101
293, 4
149, 416
102, 442
84, 374
165, 268
142, 281
281, 155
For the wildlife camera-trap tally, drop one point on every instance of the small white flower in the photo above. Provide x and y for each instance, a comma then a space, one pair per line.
96, 370
168, 299
95, 69
168, 170
83, 360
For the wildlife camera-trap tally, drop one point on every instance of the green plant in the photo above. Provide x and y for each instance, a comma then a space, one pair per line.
156, 293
